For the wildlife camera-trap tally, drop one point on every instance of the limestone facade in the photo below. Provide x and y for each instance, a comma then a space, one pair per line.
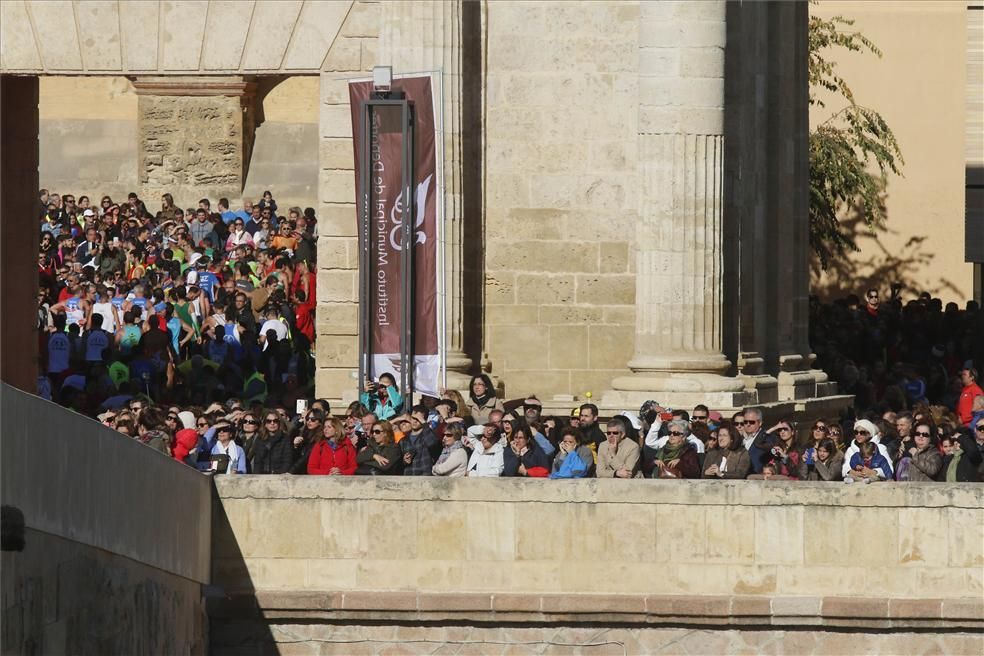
554, 275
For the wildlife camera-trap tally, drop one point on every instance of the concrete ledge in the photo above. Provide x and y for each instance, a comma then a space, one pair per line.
698, 610
635, 491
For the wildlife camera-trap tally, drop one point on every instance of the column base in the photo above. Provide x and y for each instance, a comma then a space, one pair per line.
458, 367
678, 390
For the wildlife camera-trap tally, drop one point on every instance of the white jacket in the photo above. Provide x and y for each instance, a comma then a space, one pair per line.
484, 463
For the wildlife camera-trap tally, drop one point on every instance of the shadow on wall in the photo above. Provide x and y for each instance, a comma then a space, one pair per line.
235, 623
876, 266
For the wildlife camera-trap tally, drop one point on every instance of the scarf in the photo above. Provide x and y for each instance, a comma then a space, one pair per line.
480, 401
670, 452
951, 471
447, 451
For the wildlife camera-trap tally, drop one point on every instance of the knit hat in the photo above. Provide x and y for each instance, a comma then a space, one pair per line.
187, 419
865, 425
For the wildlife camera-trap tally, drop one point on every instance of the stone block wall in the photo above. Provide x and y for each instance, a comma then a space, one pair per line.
561, 200
88, 136
352, 55
600, 537
190, 145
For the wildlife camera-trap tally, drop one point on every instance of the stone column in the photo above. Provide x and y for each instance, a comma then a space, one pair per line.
678, 350
417, 37
195, 136
768, 198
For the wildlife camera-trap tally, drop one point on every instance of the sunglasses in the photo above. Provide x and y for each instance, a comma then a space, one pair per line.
202, 424
980, 429
785, 429
377, 431
613, 432
699, 418
739, 423
820, 428
312, 419
172, 417
272, 420
860, 432
250, 421
676, 433
924, 434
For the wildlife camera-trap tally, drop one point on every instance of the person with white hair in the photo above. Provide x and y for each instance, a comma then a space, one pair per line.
865, 431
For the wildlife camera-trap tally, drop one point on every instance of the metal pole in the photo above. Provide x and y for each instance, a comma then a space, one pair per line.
365, 246
406, 255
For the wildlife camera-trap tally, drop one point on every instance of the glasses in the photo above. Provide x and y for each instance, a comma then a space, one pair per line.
923, 434
172, 417
980, 429
751, 422
272, 420
136, 408
739, 423
312, 419
202, 424
249, 421
377, 431
860, 432
676, 433
699, 418
785, 429
613, 432
820, 428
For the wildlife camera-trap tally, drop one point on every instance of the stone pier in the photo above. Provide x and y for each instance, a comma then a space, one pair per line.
195, 135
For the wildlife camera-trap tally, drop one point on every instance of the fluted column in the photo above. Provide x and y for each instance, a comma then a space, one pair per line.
421, 37
678, 348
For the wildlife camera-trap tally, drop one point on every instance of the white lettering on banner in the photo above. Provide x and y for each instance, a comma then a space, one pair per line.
379, 217
396, 216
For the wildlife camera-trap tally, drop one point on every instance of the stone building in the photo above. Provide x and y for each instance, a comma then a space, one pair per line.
625, 182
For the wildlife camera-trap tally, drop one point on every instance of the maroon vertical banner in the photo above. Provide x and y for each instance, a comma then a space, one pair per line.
386, 217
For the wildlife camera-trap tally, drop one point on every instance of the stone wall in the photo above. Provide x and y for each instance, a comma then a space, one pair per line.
190, 145
540, 537
88, 136
312, 562
284, 156
116, 541
560, 194
369, 639
351, 56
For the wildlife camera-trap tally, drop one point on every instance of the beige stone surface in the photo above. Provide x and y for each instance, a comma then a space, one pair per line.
93, 37
724, 538
225, 34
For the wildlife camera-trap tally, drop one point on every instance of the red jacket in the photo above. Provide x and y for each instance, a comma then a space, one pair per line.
323, 458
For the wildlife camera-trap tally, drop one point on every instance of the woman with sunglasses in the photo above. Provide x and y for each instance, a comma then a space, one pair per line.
781, 451
381, 455
453, 461
249, 429
924, 459
677, 458
273, 451
309, 431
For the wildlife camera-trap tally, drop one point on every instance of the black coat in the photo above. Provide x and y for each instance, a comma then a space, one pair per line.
275, 455
534, 457
969, 461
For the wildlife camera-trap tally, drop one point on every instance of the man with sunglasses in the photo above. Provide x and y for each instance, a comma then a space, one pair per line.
617, 456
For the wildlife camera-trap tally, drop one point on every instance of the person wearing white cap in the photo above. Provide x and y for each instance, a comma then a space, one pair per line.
865, 431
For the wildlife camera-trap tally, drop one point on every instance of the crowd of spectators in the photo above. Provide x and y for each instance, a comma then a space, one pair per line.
192, 331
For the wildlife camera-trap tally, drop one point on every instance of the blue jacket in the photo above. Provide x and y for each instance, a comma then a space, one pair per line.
878, 463
391, 408
571, 466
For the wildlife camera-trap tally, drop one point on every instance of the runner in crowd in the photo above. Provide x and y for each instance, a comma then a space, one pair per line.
193, 331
